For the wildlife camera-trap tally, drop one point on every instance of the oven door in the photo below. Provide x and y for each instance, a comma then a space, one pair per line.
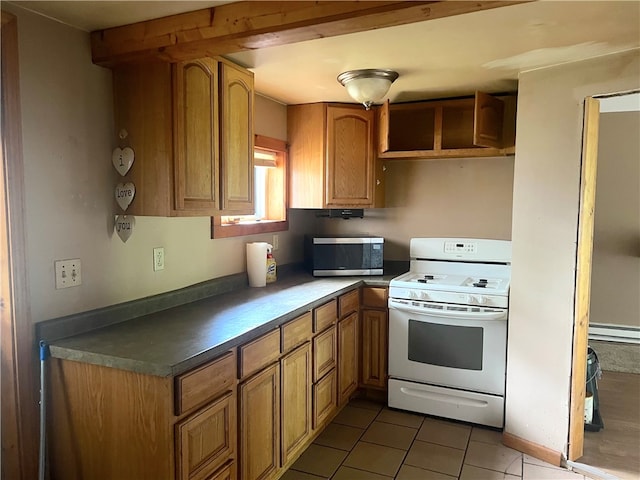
458, 346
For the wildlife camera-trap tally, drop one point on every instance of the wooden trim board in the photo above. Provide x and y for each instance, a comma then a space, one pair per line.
251, 25
530, 448
583, 276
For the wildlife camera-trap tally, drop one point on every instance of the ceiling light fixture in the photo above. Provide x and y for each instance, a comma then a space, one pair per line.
368, 85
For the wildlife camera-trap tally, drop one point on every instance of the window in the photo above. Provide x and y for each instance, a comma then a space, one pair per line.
270, 214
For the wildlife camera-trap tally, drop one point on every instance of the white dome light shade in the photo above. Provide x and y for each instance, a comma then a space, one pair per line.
368, 85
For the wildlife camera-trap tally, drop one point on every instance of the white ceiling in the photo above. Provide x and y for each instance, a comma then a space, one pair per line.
438, 58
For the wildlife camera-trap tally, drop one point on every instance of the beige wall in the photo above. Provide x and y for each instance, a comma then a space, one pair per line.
68, 138
469, 197
544, 234
615, 279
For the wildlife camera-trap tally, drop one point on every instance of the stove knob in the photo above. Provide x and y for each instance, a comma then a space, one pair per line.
413, 294
424, 295
481, 300
470, 299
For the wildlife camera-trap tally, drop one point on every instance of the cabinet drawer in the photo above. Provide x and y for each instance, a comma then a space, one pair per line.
349, 302
197, 387
375, 297
296, 332
258, 354
325, 399
324, 316
324, 353
207, 439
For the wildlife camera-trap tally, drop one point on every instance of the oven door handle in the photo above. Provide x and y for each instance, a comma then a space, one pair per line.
502, 315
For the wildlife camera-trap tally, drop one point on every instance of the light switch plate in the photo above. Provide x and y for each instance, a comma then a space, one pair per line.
68, 273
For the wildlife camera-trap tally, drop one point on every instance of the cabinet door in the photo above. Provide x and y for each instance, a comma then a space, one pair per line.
488, 121
196, 135
236, 139
295, 371
324, 353
142, 114
374, 348
325, 400
347, 357
350, 156
207, 439
228, 472
260, 424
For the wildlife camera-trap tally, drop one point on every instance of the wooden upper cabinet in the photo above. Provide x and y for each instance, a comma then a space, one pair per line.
236, 138
190, 125
332, 156
479, 126
196, 135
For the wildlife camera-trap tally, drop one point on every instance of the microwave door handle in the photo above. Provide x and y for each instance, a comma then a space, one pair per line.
453, 314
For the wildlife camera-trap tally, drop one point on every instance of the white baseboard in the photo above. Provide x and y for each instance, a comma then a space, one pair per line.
614, 333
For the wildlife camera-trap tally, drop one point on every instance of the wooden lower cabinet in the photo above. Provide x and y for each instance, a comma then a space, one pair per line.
295, 370
347, 357
259, 425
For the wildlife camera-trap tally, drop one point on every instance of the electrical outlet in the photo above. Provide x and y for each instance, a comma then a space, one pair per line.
275, 242
68, 273
158, 259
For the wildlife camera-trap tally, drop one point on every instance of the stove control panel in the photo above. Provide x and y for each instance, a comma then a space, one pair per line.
460, 247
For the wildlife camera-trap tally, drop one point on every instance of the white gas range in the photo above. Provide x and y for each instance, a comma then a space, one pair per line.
448, 329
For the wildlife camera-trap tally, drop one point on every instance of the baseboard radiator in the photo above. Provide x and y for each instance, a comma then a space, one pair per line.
614, 333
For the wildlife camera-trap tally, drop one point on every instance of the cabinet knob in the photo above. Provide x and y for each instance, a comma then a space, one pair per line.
384, 168
377, 182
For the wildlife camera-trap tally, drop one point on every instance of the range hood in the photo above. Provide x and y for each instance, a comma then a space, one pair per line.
345, 213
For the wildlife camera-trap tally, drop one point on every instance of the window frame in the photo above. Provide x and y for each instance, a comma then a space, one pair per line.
218, 230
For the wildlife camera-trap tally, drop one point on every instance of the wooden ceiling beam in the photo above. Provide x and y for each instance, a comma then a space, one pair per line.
249, 25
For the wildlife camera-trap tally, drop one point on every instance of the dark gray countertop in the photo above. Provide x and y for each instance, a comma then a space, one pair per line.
175, 340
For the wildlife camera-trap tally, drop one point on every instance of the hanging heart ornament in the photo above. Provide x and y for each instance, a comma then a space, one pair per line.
122, 159
124, 226
124, 194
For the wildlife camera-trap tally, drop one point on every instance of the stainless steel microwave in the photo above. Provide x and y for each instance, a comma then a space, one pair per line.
327, 256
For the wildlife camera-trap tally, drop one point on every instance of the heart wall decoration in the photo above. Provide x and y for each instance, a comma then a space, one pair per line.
124, 194
124, 226
122, 159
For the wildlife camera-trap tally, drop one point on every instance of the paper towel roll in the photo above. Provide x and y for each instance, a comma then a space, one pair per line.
257, 263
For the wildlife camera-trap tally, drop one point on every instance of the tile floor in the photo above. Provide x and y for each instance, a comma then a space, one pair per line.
368, 441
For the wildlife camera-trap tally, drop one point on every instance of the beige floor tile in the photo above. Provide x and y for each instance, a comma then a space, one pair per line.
375, 458
348, 473
537, 472
469, 472
400, 418
434, 457
486, 435
389, 435
355, 417
319, 460
494, 457
407, 472
339, 436
444, 433
364, 403
295, 475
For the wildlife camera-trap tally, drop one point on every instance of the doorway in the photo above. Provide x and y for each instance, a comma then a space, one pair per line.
19, 411
593, 123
